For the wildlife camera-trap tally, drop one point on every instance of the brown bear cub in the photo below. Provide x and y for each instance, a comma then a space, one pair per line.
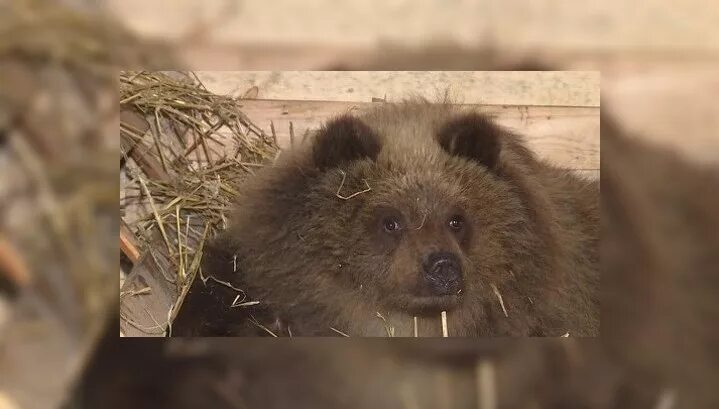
381, 222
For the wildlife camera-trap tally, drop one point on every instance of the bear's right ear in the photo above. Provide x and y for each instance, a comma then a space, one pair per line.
472, 136
342, 140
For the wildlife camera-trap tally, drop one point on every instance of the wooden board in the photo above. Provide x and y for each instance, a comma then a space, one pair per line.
150, 293
147, 297
565, 136
557, 88
606, 25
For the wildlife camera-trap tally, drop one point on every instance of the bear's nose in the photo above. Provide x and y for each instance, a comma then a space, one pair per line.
443, 273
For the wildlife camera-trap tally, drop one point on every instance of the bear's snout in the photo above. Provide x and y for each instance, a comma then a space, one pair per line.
443, 273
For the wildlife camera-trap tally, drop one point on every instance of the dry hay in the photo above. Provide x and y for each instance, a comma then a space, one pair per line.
50, 33
58, 188
182, 174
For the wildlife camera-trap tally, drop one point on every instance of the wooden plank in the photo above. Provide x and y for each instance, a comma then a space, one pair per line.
442, 56
150, 291
557, 88
644, 101
136, 126
566, 136
147, 297
609, 24
642, 89
128, 242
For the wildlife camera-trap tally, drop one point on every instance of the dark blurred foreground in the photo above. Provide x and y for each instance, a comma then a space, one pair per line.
58, 235
660, 254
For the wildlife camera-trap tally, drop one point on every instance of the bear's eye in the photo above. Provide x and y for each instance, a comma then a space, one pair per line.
456, 223
391, 225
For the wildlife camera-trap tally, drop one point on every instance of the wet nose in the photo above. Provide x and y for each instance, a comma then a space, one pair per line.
443, 273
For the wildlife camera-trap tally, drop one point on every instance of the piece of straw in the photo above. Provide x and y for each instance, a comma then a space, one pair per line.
181, 270
499, 296
254, 321
344, 176
444, 324
486, 385
160, 224
387, 327
339, 332
292, 134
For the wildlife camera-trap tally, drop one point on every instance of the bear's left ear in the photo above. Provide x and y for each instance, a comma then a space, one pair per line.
344, 139
472, 136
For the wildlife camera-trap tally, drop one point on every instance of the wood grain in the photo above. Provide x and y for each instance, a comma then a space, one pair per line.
565, 136
557, 88
128, 242
144, 313
606, 25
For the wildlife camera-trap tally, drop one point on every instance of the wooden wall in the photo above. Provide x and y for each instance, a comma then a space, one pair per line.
557, 112
658, 58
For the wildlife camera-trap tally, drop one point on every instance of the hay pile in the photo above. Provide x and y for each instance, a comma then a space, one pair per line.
58, 189
185, 150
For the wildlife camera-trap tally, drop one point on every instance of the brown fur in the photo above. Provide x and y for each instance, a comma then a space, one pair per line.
311, 248
658, 345
660, 252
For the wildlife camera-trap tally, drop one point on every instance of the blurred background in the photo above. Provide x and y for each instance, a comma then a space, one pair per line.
59, 147
654, 56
